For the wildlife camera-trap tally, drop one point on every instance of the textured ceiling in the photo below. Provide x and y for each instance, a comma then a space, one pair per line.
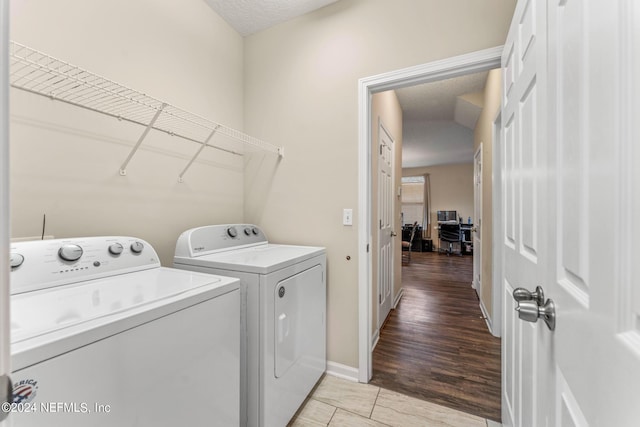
439, 119
250, 16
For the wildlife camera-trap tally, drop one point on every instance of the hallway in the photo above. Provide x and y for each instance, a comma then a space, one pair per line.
435, 345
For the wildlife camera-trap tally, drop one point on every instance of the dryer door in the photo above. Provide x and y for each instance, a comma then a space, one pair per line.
299, 320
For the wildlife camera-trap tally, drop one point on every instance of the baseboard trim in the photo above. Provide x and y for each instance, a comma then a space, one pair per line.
375, 338
342, 371
491, 423
398, 298
487, 319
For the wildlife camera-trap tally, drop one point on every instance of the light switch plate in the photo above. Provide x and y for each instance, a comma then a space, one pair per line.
347, 217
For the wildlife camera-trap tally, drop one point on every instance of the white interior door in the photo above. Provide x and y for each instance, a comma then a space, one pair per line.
524, 208
386, 222
5, 353
594, 53
571, 189
477, 221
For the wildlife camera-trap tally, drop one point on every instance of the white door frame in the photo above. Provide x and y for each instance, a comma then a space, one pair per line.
5, 353
482, 60
477, 225
496, 209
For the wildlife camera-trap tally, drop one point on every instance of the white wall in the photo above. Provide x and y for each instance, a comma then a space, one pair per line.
483, 134
301, 80
385, 109
451, 190
65, 161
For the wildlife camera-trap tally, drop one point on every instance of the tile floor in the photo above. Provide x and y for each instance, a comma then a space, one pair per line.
339, 402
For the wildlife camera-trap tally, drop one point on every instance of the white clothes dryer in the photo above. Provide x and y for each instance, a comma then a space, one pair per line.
102, 335
284, 311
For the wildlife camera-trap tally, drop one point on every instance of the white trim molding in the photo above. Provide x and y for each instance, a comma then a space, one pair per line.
5, 231
375, 338
342, 371
482, 60
487, 318
398, 298
496, 185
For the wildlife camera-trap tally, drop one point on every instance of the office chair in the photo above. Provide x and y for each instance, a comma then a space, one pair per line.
450, 234
406, 245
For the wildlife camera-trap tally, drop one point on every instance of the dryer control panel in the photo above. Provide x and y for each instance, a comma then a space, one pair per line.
216, 238
41, 264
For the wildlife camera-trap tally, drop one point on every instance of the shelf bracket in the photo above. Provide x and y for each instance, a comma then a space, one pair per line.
195, 156
123, 168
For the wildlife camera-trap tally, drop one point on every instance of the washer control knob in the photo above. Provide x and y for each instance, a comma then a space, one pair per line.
255, 231
247, 231
137, 247
115, 249
70, 252
232, 232
16, 260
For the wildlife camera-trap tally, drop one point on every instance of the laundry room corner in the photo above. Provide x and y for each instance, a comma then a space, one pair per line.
66, 161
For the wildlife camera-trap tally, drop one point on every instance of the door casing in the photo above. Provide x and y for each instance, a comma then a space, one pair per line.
474, 62
5, 353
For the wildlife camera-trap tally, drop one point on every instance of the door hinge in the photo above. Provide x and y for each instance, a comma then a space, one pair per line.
379, 298
380, 149
367, 248
380, 224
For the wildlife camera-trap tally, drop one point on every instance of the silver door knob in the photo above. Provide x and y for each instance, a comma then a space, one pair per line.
530, 311
394, 234
521, 294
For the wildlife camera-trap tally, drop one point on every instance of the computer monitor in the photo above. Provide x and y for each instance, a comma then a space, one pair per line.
447, 215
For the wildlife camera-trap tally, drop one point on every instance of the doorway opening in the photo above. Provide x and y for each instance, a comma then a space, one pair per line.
432, 72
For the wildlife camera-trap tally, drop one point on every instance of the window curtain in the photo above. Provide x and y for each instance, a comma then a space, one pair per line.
426, 222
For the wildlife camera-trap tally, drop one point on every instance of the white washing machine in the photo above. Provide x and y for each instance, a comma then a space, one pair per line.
284, 312
102, 335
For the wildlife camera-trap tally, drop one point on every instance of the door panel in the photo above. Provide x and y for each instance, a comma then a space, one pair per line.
569, 413
509, 351
570, 127
594, 137
477, 221
387, 222
509, 190
524, 222
529, 181
570, 199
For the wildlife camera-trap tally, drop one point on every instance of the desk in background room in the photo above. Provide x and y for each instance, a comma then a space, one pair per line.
466, 237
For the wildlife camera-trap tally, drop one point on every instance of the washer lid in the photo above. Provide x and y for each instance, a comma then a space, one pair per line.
262, 259
51, 321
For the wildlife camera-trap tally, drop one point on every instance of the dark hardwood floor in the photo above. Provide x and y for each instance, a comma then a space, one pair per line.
435, 345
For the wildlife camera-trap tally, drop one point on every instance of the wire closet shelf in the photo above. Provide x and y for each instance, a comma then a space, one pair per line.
42, 74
